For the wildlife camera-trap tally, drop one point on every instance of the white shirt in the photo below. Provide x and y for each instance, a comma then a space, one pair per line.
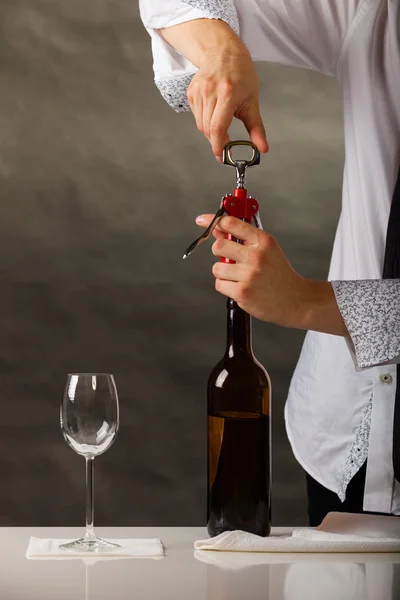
339, 401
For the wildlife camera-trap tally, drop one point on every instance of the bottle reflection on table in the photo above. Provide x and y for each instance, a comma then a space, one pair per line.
248, 583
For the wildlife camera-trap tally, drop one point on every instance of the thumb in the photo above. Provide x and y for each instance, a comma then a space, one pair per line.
253, 122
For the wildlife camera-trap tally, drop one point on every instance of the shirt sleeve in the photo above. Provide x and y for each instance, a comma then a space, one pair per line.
302, 33
371, 311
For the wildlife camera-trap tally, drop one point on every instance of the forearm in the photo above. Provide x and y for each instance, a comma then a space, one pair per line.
318, 309
200, 38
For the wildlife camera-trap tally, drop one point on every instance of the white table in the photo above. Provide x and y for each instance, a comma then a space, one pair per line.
183, 576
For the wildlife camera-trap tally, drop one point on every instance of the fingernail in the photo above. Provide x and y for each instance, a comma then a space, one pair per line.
219, 159
200, 219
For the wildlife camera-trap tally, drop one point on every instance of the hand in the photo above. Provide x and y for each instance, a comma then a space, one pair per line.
263, 282
226, 84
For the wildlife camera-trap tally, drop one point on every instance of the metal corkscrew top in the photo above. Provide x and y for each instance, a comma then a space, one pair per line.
238, 204
240, 165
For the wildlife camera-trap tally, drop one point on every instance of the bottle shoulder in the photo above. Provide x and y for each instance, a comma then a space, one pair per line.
239, 367
246, 360
238, 385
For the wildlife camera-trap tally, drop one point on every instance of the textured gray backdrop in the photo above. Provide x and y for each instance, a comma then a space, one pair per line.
100, 184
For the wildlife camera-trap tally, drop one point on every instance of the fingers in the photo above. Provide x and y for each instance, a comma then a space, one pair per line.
219, 125
213, 116
253, 122
214, 110
208, 111
205, 220
229, 272
230, 289
197, 110
229, 249
239, 229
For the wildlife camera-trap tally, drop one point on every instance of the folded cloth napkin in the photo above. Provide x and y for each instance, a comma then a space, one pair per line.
49, 548
339, 532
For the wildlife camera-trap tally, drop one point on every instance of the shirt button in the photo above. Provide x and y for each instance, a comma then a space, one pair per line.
386, 378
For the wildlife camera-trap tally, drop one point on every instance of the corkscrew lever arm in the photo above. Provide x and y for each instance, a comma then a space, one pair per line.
214, 223
257, 221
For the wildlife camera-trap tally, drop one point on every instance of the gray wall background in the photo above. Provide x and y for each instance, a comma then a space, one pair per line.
100, 184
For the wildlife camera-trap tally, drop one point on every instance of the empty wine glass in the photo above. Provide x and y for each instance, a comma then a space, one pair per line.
89, 418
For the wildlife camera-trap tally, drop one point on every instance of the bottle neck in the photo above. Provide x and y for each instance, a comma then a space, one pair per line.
239, 331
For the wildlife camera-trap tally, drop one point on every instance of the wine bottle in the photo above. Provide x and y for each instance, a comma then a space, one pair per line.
239, 457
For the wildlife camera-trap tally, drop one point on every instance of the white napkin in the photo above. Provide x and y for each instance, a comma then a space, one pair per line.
339, 532
49, 548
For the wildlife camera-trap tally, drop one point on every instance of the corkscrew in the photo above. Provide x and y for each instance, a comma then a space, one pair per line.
238, 204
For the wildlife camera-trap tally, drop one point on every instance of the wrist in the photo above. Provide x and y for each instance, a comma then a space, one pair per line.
318, 309
203, 39
223, 45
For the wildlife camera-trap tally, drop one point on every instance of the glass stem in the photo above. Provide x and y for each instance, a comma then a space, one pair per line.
89, 534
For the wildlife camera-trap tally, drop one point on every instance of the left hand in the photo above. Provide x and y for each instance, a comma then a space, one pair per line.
262, 281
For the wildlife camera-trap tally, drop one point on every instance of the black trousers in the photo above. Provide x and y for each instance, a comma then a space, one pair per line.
322, 501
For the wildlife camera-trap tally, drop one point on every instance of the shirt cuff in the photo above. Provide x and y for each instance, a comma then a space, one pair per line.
172, 71
371, 311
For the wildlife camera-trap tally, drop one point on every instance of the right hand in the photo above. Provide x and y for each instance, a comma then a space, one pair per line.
226, 86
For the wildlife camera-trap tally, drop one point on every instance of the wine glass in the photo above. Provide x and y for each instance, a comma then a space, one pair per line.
89, 418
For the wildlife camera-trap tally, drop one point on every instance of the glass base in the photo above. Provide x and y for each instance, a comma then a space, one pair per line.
95, 545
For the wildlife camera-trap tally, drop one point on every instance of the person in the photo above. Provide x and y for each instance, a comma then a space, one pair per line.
339, 412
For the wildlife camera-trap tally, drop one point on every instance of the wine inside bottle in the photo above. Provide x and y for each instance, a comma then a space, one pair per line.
239, 457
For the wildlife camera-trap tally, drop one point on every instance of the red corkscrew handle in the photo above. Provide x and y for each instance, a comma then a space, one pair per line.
241, 206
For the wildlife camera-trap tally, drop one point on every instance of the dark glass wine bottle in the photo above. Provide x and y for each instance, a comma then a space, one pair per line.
239, 457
